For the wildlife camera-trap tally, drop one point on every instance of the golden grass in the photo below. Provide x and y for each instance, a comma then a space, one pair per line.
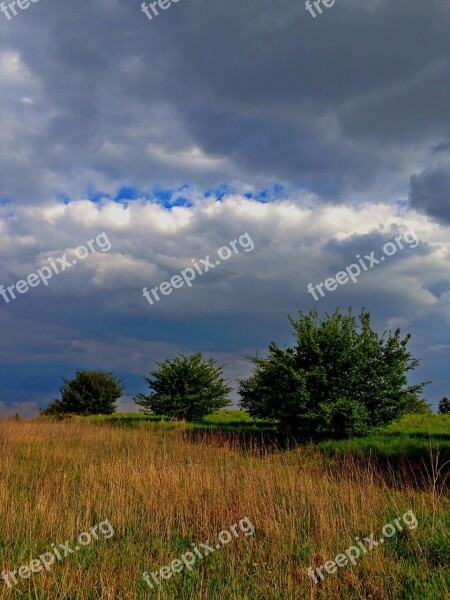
161, 492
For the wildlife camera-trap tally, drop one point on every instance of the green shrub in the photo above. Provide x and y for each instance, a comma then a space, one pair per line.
444, 406
340, 378
89, 393
185, 387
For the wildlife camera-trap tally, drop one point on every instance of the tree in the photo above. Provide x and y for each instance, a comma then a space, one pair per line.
339, 379
89, 393
421, 408
185, 387
54, 409
444, 406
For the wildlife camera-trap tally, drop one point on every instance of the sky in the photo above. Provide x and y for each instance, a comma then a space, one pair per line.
319, 138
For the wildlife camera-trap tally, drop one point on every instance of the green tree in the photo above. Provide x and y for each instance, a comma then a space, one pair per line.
185, 387
444, 406
339, 379
421, 408
52, 410
89, 393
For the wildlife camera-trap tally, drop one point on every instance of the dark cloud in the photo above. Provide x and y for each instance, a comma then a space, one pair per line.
441, 147
430, 193
213, 91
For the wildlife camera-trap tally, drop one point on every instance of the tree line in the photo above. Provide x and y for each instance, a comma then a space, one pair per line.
339, 378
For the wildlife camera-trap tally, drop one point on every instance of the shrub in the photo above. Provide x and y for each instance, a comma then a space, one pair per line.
339, 379
444, 406
421, 408
185, 387
89, 393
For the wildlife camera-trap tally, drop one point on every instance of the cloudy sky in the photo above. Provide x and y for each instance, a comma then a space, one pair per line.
321, 138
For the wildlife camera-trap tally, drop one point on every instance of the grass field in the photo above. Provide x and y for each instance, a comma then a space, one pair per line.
164, 486
413, 436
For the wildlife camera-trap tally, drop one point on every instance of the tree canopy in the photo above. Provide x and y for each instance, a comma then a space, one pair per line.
185, 387
444, 406
89, 393
340, 377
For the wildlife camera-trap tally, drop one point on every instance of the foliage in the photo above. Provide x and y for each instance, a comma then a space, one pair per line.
194, 490
421, 408
340, 378
89, 393
444, 406
185, 387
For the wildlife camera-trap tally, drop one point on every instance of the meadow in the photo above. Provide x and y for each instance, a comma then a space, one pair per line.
165, 485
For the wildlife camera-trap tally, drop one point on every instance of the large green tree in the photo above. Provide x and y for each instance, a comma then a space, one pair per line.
339, 379
89, 393
185, 387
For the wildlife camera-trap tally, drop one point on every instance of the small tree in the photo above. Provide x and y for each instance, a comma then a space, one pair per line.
421, 408
185, 387
339, 379
52, 410
444, 406
89, 393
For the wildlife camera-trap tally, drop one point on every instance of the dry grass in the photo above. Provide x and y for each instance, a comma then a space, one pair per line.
161, 492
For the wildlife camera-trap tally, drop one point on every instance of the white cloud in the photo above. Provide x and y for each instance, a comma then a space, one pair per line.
294, 244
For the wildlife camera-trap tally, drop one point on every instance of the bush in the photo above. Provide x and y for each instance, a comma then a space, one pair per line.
340, 379
444, 406
185, 387
89, 393
421, 408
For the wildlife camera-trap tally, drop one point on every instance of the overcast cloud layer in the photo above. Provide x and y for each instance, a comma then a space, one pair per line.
322, 138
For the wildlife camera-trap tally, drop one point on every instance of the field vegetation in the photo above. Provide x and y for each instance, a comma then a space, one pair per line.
164, 485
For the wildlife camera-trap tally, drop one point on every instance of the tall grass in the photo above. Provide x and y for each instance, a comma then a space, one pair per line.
161, 490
